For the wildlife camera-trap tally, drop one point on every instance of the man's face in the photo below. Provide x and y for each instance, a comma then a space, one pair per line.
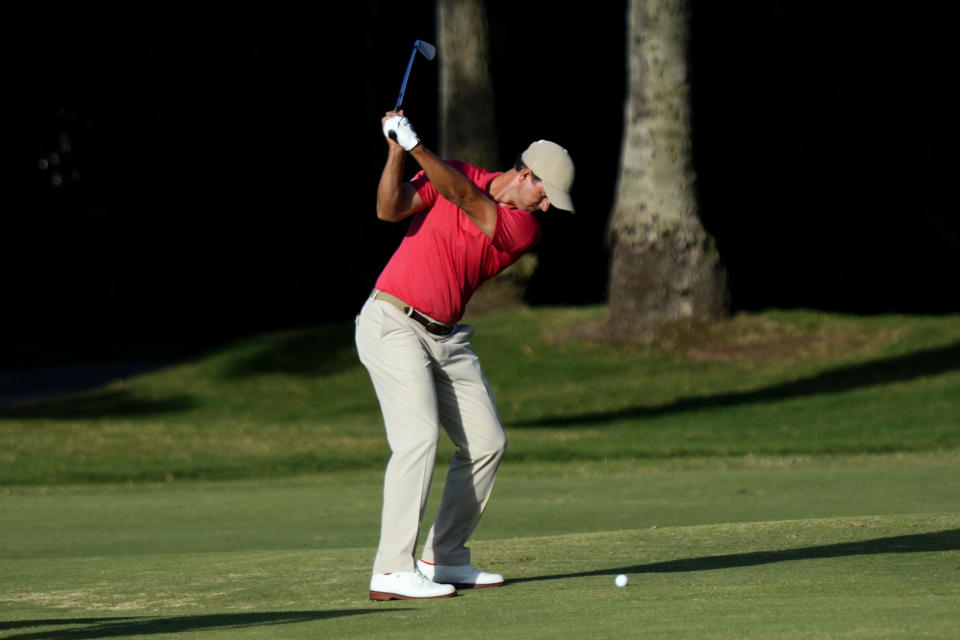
532, 195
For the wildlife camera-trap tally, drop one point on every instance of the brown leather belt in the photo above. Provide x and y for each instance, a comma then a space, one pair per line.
436, 328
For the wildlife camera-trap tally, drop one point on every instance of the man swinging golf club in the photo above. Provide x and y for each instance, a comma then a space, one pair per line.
468, 225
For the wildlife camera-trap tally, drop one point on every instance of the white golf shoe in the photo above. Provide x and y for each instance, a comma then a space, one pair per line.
464, 576
407, 585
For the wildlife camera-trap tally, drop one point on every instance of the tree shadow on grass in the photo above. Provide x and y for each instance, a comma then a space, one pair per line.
915, 543
95, 390
929, 362
99, 404
78, 391
88, 628
314, 351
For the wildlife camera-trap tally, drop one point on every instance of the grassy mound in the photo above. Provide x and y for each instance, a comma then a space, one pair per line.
778, 383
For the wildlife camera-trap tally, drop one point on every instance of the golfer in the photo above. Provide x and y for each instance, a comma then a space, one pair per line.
468, 225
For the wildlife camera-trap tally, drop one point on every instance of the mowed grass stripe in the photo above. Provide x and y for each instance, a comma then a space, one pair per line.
343, 509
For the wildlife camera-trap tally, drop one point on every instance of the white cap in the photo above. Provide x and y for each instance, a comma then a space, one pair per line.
552, 164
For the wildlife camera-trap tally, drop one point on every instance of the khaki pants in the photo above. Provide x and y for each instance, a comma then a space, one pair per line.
424, 382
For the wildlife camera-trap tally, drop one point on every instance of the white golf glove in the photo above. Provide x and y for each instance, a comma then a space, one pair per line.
400, 129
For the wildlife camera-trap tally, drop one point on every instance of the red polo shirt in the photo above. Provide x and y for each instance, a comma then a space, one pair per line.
444, 257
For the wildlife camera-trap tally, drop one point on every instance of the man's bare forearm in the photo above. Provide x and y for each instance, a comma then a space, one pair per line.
452, 185
390, 193
458, 189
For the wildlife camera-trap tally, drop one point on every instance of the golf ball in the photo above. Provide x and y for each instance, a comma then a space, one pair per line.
621, 580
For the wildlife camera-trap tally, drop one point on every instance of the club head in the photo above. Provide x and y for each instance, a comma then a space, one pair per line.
426, 49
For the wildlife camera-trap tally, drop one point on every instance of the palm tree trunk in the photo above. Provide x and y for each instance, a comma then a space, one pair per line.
467, 123
664, 265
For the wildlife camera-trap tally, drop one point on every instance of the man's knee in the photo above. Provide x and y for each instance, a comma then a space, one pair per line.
492, 448
414, 443
501, 445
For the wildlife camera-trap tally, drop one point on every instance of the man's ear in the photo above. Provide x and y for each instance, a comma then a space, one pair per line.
525, 174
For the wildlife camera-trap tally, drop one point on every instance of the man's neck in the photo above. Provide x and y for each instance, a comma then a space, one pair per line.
500, 188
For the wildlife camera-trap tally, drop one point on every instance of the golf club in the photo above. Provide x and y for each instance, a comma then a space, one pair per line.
428, 51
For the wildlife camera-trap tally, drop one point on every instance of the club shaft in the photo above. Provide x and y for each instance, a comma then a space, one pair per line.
406, 76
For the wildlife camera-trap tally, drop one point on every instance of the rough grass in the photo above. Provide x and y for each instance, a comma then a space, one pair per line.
779, 383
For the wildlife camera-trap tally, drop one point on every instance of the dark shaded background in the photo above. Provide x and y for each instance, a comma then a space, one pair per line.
187, 174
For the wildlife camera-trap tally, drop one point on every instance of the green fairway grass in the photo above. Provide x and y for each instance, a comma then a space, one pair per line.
778, 475
280, 559
342, 509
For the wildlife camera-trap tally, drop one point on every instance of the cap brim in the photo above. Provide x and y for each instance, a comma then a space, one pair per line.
559, 198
